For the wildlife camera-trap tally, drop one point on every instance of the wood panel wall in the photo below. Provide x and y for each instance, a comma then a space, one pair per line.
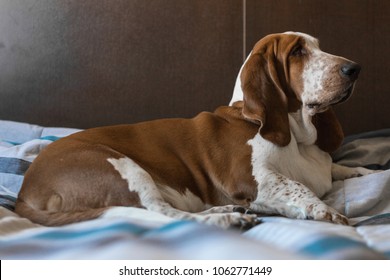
356, 29
98, 62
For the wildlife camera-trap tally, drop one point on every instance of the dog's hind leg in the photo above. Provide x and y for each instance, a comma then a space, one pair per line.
142, 183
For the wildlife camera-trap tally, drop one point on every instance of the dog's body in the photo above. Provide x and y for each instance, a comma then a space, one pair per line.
268, 152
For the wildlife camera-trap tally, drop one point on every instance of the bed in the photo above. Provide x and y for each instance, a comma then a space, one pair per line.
365, 200
78, 64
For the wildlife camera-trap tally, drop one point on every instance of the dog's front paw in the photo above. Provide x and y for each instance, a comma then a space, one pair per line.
322, 212
340, 172
230, 220
245, 221
361, 171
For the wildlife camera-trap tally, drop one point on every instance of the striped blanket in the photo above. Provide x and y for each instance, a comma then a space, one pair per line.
365, 200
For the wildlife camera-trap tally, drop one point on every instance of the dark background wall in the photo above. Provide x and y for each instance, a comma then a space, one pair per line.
97, 62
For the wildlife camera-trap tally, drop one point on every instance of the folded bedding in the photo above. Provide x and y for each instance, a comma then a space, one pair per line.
365, 200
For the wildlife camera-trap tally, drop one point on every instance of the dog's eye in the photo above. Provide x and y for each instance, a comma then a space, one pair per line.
298, 51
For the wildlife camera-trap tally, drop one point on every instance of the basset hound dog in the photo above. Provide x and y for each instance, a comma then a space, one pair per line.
267, 152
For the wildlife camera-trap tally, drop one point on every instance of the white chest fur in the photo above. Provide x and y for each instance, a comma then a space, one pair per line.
301, 160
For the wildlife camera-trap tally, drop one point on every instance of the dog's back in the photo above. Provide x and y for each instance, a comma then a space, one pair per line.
74, 179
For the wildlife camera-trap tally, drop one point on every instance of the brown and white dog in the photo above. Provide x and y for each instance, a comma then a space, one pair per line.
267, 152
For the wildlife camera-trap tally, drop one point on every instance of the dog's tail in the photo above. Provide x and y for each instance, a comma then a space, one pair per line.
47, 218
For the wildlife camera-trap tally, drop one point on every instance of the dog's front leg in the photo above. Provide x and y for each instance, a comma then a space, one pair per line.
278, 194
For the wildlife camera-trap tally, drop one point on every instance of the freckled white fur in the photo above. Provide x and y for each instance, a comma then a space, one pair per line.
301, 160
316, 71
291, 179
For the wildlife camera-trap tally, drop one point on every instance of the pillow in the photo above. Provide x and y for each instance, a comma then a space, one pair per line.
20, 143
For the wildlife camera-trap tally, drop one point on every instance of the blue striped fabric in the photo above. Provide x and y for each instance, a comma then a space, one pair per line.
49, 138
15, 159
122, 240
381, 219
329, 247
119, 239
13, 165
7, 201
275, 238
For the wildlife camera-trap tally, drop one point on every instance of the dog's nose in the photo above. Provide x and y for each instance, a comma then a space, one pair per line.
350, 70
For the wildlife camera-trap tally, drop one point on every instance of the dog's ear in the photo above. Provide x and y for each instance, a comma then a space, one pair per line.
329, 131
265, 102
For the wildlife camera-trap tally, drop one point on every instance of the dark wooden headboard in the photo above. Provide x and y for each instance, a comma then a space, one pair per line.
98, 62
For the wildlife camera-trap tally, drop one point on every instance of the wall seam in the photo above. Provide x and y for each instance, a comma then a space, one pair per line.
243, 30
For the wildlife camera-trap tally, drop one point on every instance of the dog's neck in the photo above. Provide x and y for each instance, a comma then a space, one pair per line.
302, 127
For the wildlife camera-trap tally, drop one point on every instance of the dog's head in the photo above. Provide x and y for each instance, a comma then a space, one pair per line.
287, 72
